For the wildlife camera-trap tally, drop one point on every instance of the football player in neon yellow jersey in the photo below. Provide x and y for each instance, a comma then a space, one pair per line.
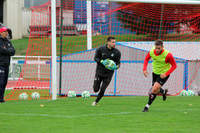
163, 65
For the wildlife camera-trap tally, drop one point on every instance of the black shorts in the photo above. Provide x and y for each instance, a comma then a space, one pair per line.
101, 82
157, 78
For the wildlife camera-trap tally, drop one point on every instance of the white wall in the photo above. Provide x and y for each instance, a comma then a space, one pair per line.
26, 18
19, 18
13, 16
68, 17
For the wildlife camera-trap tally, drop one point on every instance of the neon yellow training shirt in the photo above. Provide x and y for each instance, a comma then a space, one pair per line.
159, 64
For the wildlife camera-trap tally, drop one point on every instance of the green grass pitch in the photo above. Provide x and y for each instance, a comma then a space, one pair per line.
73, 44
112, 115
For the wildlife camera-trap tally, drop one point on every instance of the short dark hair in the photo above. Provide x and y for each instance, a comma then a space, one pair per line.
110, 38
159, 42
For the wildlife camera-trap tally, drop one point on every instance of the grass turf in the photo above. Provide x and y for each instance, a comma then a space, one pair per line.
14, 94
112, 115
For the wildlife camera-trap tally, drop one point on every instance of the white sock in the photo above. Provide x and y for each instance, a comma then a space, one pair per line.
147, 105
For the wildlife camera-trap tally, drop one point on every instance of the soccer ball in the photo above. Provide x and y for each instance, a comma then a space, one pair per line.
187, 93
71, 94
111, 64
23, 96
85, 94
183, 93
191, 93
35, 95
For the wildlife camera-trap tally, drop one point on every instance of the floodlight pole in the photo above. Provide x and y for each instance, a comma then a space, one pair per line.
89, 24
53, 47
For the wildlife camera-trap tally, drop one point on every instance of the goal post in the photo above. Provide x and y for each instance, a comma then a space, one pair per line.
54, 54
89, 25
85, 25
90, 19
156, 1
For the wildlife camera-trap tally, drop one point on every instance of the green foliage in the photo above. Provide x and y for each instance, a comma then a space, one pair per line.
21, 46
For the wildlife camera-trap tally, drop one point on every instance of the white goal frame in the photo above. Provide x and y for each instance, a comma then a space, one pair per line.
89, 29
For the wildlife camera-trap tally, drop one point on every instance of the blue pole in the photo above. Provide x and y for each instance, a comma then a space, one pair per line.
115, 83
185, 76
50, 79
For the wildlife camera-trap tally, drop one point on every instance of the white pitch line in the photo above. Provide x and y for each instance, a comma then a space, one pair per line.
64, 116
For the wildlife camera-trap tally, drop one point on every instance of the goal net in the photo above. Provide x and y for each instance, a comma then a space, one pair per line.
135, 26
